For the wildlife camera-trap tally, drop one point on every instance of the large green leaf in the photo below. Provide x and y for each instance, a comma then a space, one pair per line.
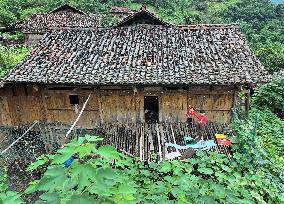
108, 152
10, 197
84, 149
39, 162
64, 154
53, 179
206, 170
51, 198
82, 199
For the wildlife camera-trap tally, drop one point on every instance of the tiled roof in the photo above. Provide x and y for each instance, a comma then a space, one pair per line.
142, 54
119, 9
44, 22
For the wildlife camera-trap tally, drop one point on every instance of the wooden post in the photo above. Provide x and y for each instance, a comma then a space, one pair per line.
159, 143
247, 102
100, 105
162, 141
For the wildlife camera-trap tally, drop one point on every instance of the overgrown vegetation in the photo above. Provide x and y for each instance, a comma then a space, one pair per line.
10, 56
271, 96
7, 195
102, 175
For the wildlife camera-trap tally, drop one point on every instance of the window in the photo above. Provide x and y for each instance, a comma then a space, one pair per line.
74, 99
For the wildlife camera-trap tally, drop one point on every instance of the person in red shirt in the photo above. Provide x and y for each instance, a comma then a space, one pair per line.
201, 121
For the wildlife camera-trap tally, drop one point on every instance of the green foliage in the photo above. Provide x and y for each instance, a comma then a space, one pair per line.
271, 95
6, 17
109, 20
272, 57
10, 56
6, 195
12, 35
263, 24
102, 175
263, 132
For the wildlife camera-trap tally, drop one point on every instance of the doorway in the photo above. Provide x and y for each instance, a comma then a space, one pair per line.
151, 109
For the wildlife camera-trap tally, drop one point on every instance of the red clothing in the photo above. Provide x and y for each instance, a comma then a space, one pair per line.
201, 119
190, 113
222, 141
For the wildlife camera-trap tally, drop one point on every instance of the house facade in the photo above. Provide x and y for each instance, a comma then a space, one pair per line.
142, 70
63, 17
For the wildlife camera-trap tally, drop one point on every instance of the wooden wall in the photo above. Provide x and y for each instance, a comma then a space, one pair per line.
20, 105
24, 104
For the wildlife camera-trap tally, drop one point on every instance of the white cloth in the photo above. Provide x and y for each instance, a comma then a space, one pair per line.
173, 155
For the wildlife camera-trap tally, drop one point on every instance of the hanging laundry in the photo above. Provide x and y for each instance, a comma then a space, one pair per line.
189, 140
223, 141
191, 113
68, 162
173, 155
202, 145
220, 136
201, 119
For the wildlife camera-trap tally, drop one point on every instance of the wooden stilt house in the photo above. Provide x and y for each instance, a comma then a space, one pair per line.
142, 70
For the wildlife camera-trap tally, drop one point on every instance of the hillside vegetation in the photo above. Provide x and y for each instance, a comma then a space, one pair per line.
254, 174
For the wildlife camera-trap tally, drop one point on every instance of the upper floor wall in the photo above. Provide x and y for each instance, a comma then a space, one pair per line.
23, 104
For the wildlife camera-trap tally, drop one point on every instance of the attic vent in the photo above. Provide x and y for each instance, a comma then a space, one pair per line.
74, 99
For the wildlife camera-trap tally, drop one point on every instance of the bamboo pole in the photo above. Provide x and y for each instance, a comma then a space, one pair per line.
173, 134
77, 119
11, 145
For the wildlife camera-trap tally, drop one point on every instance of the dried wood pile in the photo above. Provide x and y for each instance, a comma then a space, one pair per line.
136, 139
142, 139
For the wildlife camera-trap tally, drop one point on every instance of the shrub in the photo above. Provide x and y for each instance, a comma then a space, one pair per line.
102, 175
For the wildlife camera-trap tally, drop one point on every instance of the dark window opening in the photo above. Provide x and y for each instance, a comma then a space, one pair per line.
26, 91
13, 91
151, 109
74, 99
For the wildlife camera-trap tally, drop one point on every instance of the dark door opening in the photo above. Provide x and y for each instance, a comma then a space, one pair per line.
151, 109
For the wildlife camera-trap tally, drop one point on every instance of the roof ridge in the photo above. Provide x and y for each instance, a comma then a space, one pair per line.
143, 9
68, 5
209, 26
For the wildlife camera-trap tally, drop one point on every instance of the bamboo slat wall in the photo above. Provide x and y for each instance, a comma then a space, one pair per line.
136, 139
24, 104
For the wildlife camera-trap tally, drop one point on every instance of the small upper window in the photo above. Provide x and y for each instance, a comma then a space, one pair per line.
74, 99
